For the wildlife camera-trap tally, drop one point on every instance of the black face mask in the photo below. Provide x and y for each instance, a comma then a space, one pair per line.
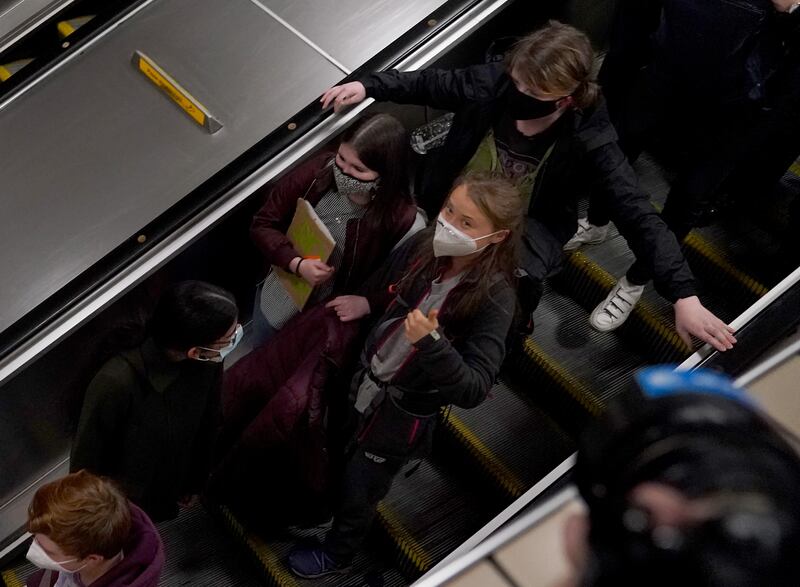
523, 107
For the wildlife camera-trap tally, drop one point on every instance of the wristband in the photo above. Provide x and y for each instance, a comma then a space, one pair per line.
297, 267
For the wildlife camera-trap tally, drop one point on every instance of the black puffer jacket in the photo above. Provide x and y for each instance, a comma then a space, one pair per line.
586, 145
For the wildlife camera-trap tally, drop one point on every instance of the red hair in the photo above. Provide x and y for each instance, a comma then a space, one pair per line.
83, 514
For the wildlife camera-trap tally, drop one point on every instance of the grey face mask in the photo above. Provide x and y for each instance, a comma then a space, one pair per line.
347, 184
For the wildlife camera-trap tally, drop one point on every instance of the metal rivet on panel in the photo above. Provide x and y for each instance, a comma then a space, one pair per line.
433, 22
141, 238
291, 126
65, 44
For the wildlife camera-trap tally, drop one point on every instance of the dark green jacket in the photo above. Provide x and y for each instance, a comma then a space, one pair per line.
147, 423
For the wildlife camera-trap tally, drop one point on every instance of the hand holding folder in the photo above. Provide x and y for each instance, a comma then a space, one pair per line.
312, 240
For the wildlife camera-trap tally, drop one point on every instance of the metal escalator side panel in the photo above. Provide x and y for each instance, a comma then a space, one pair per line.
85, 177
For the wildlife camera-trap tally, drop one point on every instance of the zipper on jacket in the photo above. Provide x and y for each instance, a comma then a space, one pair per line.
355, 251
413, 434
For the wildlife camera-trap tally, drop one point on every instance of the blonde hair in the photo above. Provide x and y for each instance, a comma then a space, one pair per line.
556, 59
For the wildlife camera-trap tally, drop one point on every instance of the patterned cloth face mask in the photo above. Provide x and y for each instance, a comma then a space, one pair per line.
348, 185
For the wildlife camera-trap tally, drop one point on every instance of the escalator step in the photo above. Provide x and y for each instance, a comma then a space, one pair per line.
707, 261
599, 364
269, 554
267, 559
648, 325
428, 514
511, 441
540, 371
11, 579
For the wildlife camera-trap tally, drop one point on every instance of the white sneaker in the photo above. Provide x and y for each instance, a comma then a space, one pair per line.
587, 234
612, 312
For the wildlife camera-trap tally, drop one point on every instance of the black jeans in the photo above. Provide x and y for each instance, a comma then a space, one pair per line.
541, 256
367, 479
384, 443
716, 141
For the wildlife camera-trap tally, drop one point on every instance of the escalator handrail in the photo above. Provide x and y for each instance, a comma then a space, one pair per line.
751, 314
494, 535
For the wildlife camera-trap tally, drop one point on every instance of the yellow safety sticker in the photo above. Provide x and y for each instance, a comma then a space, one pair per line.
176, 93
65, 29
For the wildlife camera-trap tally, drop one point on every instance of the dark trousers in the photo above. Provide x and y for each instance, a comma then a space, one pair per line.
367, 480
541, 255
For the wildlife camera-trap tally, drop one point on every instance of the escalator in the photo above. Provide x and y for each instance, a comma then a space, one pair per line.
530, 551
552, 383
485, 458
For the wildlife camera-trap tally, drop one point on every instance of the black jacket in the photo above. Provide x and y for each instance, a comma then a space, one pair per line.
586, 145
462, 365
147, 423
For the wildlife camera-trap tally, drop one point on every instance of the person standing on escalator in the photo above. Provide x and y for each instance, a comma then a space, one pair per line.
539, 118
445, 302
149, 415
361, 194
721, 81
85, 532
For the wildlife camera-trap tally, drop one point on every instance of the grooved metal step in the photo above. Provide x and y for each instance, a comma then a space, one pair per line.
270, 554
599, 364
429, 513
514, 443
649, 326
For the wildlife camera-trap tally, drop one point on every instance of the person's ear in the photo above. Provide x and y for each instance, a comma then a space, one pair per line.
566, 102
194, 353
93, 560
499, 237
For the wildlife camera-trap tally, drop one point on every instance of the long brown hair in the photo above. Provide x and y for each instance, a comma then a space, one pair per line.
557, 59
500, 201
381, 143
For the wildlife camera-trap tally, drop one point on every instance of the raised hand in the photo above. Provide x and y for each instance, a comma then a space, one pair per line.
418, 325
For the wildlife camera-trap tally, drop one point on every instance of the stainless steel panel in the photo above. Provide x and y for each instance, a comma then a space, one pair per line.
353, 31
15, 15
95, 152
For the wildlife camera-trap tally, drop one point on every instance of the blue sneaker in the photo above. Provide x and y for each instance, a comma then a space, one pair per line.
311, 563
